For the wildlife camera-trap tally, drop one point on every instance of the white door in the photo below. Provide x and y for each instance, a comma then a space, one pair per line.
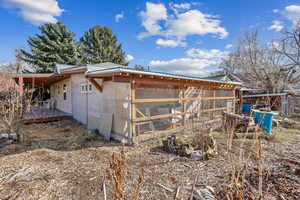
79, 99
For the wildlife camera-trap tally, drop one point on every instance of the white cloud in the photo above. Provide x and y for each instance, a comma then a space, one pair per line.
182, 66
292, 13
129, 58
228, 46
153, 14
180, 25
37, 11
119, 16
198, 62
194, 22
212, 54
276, 25
275, 11
170, 43
182, 6
274, 45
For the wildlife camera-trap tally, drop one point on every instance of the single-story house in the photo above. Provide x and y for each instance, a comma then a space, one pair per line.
133, 105
285, 103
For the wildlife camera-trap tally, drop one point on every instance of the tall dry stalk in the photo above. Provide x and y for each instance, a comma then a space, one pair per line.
118, 172
139, 185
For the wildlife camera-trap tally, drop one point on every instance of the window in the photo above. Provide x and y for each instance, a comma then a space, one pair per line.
82, 88
65, 91
86, 88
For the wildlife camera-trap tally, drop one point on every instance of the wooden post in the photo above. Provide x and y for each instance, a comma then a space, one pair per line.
183, 90
133, 109
214, 102
233, 101
240, 101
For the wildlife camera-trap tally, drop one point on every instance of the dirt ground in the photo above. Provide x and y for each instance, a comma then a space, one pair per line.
61, 160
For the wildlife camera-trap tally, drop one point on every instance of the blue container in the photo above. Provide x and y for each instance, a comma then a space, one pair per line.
264, 120
246, 108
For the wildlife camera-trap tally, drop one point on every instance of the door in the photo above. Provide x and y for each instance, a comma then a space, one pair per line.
79, 99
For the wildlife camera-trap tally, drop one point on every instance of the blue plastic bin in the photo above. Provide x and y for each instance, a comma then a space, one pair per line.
246, 108
265, 120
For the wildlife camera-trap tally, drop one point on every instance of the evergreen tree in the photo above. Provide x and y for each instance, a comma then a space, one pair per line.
55, 45
99, 45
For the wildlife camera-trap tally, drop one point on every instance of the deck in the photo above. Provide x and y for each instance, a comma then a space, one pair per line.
41, 114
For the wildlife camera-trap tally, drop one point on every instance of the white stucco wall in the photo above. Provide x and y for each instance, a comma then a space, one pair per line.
88, 107
57, 93
79, 98
116, 100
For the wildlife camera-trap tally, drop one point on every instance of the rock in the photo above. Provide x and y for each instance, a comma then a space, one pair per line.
288, 123
5, 143
206, 193
275, 123
197, 155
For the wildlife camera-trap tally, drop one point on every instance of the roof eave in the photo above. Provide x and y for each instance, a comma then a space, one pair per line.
127, 70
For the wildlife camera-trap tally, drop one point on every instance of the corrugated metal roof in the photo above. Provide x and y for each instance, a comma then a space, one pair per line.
155, 73
101, 66
265, 95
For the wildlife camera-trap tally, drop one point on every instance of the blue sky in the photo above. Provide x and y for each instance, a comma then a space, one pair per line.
184, 36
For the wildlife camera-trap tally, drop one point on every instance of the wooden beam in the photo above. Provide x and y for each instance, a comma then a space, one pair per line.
183, 90
214, 102
140, 119
96, 84
133, 107
155, 134
205, 84
122, 79
180, 99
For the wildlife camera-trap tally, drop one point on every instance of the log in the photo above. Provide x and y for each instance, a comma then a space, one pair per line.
165, 187
236, 116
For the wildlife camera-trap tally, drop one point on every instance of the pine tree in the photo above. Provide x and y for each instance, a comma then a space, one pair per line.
55, 45
99, 45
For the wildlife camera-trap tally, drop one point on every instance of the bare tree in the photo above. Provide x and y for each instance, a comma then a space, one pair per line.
289, 47
10, 106
260, 66
12, 103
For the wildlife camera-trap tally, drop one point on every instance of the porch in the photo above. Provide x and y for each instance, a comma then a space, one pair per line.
43, 114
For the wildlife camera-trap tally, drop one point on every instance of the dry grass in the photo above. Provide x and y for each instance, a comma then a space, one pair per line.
60, 172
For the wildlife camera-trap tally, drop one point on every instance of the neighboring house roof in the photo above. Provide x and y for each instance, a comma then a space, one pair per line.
224, 77
265, 95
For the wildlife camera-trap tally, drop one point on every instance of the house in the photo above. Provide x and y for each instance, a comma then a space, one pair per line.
285, 103
132, 105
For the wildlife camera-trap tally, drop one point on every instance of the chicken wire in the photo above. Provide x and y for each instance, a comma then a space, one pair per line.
190, 113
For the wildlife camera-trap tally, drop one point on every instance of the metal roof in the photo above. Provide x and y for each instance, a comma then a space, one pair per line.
30, 75
265, 95
154, 73
108, 67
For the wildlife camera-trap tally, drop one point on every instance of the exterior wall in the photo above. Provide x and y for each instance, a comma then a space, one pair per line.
116, 101
57, 94
79, 98
97, 110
